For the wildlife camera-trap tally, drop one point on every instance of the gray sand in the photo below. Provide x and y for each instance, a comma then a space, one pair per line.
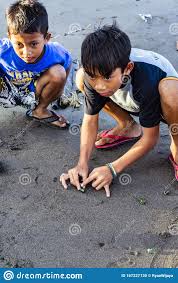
44, 226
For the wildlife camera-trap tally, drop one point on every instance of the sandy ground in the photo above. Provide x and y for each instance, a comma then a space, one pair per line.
44, 226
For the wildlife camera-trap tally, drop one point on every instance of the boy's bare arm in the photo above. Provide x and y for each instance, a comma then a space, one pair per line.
88, 136
101, 177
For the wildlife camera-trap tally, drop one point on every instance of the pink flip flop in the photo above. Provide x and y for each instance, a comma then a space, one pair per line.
117, 140
175, 166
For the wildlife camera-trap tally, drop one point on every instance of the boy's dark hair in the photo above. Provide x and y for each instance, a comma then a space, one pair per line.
27, 16
104, 50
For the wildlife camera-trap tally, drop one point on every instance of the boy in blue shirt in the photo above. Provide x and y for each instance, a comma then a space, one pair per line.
123, 81
33, 71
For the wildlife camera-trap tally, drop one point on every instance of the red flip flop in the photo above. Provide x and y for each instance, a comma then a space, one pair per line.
117, 140
175, 166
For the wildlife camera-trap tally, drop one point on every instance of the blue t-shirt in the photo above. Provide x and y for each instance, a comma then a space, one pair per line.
23, 75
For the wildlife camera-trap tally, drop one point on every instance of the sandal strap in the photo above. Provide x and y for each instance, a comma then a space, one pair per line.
173, 162
104, 133
116, 137
59, 118
50, 119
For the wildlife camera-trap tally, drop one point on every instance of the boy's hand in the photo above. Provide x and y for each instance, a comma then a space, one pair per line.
100, 177
73, 175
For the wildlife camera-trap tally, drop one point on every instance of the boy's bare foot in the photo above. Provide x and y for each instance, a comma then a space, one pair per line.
134, 130
61, 123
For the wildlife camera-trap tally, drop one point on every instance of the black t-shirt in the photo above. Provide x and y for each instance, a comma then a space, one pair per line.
140, 94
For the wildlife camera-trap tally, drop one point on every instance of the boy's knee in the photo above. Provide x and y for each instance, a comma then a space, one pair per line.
168, 90
56, 74
80, 79
163, 87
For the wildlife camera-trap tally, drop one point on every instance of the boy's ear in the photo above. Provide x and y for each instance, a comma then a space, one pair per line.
48, 36
129, 68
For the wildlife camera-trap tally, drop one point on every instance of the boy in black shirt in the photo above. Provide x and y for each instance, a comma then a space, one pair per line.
123, 81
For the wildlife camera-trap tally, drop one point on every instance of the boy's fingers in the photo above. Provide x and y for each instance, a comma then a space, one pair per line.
71, 178
64, 176
84, 175
63, 179
107, 190
88, 180
97, 183
100, 186
76, 180
64, 184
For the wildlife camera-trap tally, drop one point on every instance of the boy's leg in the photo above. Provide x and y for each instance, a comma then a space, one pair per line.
49, 88
126, 125
168, 89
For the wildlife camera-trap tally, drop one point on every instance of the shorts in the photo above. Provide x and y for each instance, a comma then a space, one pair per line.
11, 95
25, 95
137, 115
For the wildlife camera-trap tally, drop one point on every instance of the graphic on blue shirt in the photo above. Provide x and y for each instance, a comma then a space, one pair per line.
20, 76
